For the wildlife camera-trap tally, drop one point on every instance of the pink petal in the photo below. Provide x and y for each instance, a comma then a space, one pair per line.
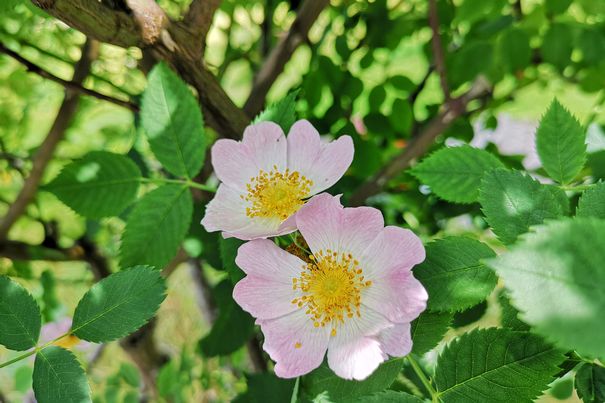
398, 296
227, 213
392, 249
356, 359
296, 346
396, 341
267, 145
264, 298
323, 163
325, 224
263, 259
263, 147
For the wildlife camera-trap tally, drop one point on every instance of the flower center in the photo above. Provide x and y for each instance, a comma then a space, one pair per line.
331, 286
276, 194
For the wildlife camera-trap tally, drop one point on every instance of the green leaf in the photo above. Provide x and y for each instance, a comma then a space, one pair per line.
100, 184
592, 202
453, 274
557, 45
337, 389
119, 304
428, 330
20, 317
283, 112
454, 173
514, 50
469, 315
8, 5
59, 378
557, 6
233, 327
555, 276
509, 316
590, 383
266, 388
173, 122
512, 202
495, 365
389, 396
561, 143
228, 248
156, 227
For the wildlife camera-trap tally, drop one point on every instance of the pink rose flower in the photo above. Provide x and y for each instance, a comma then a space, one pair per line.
266, 178
354, 298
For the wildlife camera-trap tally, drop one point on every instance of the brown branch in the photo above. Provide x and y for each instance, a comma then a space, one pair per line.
199, 19
438, 49
279, 56
142, 23
419, 143
73, 85
48, 146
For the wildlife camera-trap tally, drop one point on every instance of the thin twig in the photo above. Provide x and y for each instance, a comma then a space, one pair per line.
73, 85
279, 56
438, 49
48, 146
199, 19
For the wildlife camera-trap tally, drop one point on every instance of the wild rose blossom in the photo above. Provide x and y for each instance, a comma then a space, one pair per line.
354, 298
267, 177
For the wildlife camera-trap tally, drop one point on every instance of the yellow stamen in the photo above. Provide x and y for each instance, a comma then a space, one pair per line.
297, 345
330, 287
276, 194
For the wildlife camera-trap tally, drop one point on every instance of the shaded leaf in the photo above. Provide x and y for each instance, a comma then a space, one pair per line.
495, 365
283, 112
389, 396
156, 227
119, 304
453, 274
266, 388
455, 173
428, 330
20, 317
100, 184
592, 202
59, 378
590, 383
513, 202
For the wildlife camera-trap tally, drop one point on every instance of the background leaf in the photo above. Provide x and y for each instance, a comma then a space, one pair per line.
590, 383
283, 112
59, 378
100, 184
266, 388
495, 365
453, 274
323, 379
512, 202
555, 278
156, 227
233, 327
20, 317
173, 122
592, 202
119, 304
454, 173
389, 396
428, 330
561, 143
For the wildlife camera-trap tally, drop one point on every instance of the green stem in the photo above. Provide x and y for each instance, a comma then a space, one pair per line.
578, 188
33, 351
425, 381
294, 397
293, 238
186, 182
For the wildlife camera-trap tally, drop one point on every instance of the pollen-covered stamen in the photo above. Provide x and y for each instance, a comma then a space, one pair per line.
276, 194
331, 286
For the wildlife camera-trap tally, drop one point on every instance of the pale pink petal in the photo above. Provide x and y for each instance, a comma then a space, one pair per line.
356, 359
264, 298
227, 212
398, 296
323, 163
296, 346
319, 222
267, 145
325, 224
392, 249
233, 163
262, 258
396, 341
